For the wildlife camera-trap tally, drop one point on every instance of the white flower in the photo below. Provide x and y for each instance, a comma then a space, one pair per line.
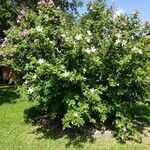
137, 50
26, 82
92, 90
89, 32
117, 41
91, 7
132, 37
62, 67
5, 39
118, 13
35, 76
140, 51
91, 50
58, 7
30, 90
84, 70
66, 74
3, 44
52, 42
76, 114
39, 28
124, 129
124, 43
41, 2
41, 61
78, 37
118, 35
63, 35
18, 20
88, 39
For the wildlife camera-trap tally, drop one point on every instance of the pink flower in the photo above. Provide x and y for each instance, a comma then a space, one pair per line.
147, 23
50, 2
24, 32
18, 18
23, 12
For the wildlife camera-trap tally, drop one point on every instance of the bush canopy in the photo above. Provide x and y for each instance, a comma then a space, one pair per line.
96, 70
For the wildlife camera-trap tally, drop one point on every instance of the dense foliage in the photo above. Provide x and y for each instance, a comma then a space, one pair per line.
96, 71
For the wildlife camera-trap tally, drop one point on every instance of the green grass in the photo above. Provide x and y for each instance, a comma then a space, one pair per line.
18, 134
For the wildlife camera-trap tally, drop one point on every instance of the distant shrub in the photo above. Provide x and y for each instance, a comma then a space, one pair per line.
90, 72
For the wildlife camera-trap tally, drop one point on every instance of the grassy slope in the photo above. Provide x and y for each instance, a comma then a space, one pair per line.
15, 134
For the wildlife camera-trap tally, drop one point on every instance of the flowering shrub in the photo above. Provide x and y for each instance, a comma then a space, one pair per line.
91, 72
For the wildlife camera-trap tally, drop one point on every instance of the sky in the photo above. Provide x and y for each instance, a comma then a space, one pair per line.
143, 6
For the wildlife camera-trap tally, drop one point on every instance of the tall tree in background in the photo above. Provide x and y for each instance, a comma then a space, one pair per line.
9, 10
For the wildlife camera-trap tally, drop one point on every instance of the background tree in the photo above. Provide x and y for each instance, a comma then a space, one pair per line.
10, 9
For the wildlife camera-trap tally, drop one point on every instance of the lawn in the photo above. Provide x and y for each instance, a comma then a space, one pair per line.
16, 133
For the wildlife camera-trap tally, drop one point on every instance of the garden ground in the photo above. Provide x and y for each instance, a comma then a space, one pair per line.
18, 133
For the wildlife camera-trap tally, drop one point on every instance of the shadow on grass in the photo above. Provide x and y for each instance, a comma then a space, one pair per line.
142, 115
53, 129
7, 94
77, 137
